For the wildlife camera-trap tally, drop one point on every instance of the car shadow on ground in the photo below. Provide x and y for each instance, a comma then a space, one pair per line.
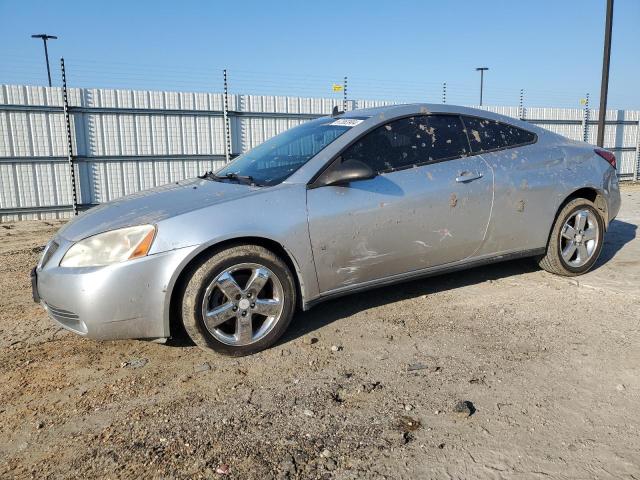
328, 312
332, 310
618, 235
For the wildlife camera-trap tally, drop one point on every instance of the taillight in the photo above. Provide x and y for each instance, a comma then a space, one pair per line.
608, 156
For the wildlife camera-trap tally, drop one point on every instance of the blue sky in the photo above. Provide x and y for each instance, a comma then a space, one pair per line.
398, 50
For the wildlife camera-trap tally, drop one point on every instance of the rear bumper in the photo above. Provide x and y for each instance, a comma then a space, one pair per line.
612, 190
124, 300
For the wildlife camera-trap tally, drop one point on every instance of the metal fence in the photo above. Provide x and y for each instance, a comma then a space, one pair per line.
123, 141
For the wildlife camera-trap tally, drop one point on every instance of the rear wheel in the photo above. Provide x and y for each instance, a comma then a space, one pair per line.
239, 301
576, 239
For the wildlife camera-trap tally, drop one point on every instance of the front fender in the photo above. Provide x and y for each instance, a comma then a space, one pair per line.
276, 215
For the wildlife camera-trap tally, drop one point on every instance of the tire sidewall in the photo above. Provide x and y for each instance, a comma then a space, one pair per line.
582, 205
208, 271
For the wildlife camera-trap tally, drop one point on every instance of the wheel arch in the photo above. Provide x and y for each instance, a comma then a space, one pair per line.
172, 311
589, 193
593, 195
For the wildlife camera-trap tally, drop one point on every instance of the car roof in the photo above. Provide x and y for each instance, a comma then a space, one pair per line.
399, 110
416, 108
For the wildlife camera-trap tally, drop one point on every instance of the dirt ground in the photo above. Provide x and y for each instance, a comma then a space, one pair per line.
361, 387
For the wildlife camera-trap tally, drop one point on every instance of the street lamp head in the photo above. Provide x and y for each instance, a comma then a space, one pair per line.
44, 36
482, 68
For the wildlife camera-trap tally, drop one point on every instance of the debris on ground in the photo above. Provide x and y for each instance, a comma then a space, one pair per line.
203, 367
222, 469
135, 363
416, 366
408, 424
371, 386
464, 408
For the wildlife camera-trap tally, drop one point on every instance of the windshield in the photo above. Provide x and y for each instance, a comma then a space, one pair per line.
276, 159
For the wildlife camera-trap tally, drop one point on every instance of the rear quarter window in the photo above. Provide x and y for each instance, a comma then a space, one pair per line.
485, 135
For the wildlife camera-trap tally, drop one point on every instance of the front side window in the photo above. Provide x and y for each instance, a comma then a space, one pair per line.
410, 141
276, 159
485, 134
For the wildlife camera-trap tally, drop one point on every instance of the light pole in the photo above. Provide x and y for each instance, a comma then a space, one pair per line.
604, 86
44, 38
481, 70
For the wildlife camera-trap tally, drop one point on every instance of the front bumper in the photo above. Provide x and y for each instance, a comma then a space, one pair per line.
123, 300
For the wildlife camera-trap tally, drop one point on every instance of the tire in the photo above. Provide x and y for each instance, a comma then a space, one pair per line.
562, 233
222, 287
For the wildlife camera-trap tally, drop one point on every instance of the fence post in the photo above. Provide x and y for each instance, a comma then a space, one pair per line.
522, 113
444, 93
225, 119
344, 95
585, 121
636, 164
67, 119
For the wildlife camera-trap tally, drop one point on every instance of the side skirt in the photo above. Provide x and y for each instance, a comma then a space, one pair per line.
424, 273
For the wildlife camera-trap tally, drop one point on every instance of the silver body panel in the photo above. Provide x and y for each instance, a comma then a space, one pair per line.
398, 222
398, 225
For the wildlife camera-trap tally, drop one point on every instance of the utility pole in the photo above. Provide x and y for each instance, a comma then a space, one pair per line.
604, 86
481, 70
44, 38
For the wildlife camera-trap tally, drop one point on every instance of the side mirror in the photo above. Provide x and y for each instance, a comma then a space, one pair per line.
348, 171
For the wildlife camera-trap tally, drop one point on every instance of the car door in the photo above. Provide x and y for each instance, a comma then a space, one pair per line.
429, 205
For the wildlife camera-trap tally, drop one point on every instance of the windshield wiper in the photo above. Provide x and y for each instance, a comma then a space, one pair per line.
248, 179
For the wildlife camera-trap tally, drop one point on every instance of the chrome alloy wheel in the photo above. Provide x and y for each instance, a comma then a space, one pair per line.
579, 238
242, 304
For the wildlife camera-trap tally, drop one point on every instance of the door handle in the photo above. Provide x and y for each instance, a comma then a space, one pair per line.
466, 176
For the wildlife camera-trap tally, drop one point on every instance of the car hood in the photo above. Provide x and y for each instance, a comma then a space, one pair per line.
152, 206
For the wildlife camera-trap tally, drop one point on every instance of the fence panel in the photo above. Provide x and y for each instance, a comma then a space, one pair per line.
125, 141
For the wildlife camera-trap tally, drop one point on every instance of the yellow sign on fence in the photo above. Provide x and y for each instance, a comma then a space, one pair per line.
337, 88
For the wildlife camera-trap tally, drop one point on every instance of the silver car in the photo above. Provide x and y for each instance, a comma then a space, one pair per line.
339, 204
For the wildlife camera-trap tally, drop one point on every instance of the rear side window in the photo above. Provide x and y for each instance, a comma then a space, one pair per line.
485, 134
411, 141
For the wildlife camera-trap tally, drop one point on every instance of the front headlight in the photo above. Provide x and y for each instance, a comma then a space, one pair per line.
110, 247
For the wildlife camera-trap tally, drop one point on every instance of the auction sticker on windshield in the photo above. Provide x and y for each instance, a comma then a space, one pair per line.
346, 122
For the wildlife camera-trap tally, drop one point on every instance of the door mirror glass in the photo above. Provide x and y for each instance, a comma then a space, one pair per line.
348, 171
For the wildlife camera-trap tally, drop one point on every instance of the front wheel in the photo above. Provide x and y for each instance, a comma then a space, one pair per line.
576, 240
239, 301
